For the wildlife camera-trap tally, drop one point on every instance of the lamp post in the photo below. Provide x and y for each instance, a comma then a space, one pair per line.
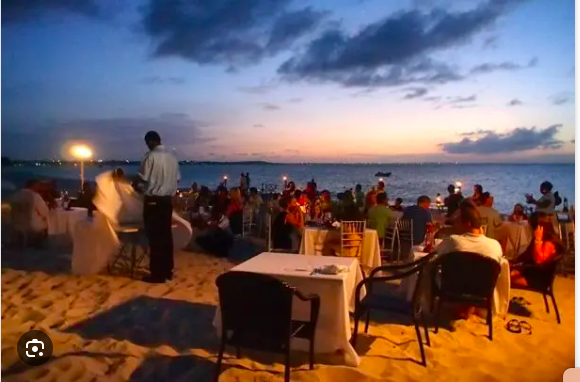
225, 180
285, 179
81, 152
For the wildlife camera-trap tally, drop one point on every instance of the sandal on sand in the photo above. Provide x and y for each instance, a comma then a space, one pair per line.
521, 301
517, 327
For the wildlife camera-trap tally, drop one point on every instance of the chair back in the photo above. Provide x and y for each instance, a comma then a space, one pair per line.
256, 310
247, 220
544, 275
405, 230
468, 274
352, 238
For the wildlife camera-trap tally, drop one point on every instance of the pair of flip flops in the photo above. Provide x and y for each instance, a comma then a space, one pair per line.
517, 327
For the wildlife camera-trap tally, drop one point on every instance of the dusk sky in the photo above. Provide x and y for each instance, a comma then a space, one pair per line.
291, 81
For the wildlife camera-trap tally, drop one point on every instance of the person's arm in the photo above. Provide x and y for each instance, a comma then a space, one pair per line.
543, 251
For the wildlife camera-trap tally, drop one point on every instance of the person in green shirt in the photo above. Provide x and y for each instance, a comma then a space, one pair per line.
380, 216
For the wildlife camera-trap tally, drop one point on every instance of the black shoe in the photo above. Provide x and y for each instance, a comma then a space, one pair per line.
153, 279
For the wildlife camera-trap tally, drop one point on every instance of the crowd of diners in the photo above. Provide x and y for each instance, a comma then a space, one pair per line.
293, 209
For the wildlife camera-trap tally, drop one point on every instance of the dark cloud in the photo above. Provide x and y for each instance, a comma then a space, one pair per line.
476, 133
295, 100
515, 102
269, 106
229, 32
454, 100
363, 93
157, 80
503, 66
117, 138
463, 106
562, 98
23, 10
262, 88
258, 126
433, 98
490, 42
519, 139
415, 93
392, 51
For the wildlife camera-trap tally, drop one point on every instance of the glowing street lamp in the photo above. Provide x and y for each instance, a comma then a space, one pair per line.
81, 152
285, 179
458, 185
225, 180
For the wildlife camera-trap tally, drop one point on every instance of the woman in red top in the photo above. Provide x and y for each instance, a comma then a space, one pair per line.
518, 215
545, 247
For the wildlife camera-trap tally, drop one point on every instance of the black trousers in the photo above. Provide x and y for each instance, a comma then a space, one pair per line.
157, 212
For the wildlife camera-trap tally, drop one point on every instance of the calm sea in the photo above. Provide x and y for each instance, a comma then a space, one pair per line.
507, 182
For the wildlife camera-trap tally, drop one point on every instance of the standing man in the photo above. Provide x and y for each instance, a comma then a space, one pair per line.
159, 173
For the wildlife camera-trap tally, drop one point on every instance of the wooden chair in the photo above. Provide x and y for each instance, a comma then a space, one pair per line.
541, 279
256, 313
392, 302
465, 277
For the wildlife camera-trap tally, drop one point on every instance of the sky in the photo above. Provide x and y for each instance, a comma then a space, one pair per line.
291, 81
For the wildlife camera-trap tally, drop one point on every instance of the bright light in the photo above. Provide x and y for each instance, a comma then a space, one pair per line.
380, 179
458, 184
284, 178
81, 152
225, 177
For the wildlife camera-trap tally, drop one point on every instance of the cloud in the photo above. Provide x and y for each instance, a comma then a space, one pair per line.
503, 66
110, 137
433, 98
415, 93
269, 106
515, 102
477, 132
392, 51
519, 139
291, 151
229, 32
14, 11
562, 98
490, 42
295, 100
157, 80
262, 88
463, 106
453, 100
258, 126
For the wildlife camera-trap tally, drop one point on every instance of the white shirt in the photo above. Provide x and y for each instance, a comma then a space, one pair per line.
29, 211
549, 196
471, 243
160, 172
493, 219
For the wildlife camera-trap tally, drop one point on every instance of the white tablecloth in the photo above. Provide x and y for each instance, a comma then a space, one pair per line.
501, 295
514, 237
95, 242
314, 239
62, 223
336, 297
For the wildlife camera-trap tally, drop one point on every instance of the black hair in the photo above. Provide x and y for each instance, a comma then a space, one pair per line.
546, 186
423, 199
381, 198
358, 187
468, 213
479, 188
451, 189
399, 200
152, 136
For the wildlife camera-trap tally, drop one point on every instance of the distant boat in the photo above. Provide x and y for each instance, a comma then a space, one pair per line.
385, 174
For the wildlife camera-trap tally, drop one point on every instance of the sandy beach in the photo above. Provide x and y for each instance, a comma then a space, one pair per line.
112, 328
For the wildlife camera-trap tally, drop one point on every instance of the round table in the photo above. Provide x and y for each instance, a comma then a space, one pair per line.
61, 223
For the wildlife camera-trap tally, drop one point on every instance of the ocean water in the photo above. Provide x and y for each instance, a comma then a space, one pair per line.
508, 183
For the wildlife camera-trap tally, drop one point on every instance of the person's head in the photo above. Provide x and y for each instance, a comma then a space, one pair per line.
242, 175
348, 198
222, 190
152, 139
382, 199
486, 199
194, 187
451, 189
477, 190
297, 194
118, 173
284, 203
235, 194
469, 218
358, 188
398, 202
292, 201
291, 186
381, 185
247, 174
253, 191
546, 187
325, 196
424, 202
518, 209
317, 209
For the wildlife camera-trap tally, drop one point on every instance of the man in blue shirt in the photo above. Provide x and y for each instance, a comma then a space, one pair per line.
421, 216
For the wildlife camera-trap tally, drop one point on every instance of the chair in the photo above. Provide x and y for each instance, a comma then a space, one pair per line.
248, 221
270, 242
352, 238
127, 260
465, 277
395, 302
404, 236
256, 313
541, 279
388, 247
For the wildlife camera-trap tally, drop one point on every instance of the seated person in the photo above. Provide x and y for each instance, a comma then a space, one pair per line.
348, 210
477, 194
255, 200
370, 199
295, 213
30, 213
283, 228
470, 237
234, 211
453, 201
380, 216
398, 206
218, 238
489, 216
422, 219
518, 214
546, 246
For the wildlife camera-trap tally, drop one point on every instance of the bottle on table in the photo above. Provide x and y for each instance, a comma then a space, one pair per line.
565, 208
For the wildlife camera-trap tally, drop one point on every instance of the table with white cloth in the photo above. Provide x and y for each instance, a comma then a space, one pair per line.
95, 242
501, 294
514, 237
337, 294
61, 223
314, 240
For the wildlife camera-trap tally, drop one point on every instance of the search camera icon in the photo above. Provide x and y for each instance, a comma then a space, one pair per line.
34, 348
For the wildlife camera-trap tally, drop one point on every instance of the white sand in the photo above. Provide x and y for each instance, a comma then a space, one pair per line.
107, 328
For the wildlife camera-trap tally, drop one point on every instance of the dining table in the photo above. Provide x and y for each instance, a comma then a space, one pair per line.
515, 238
336, 291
